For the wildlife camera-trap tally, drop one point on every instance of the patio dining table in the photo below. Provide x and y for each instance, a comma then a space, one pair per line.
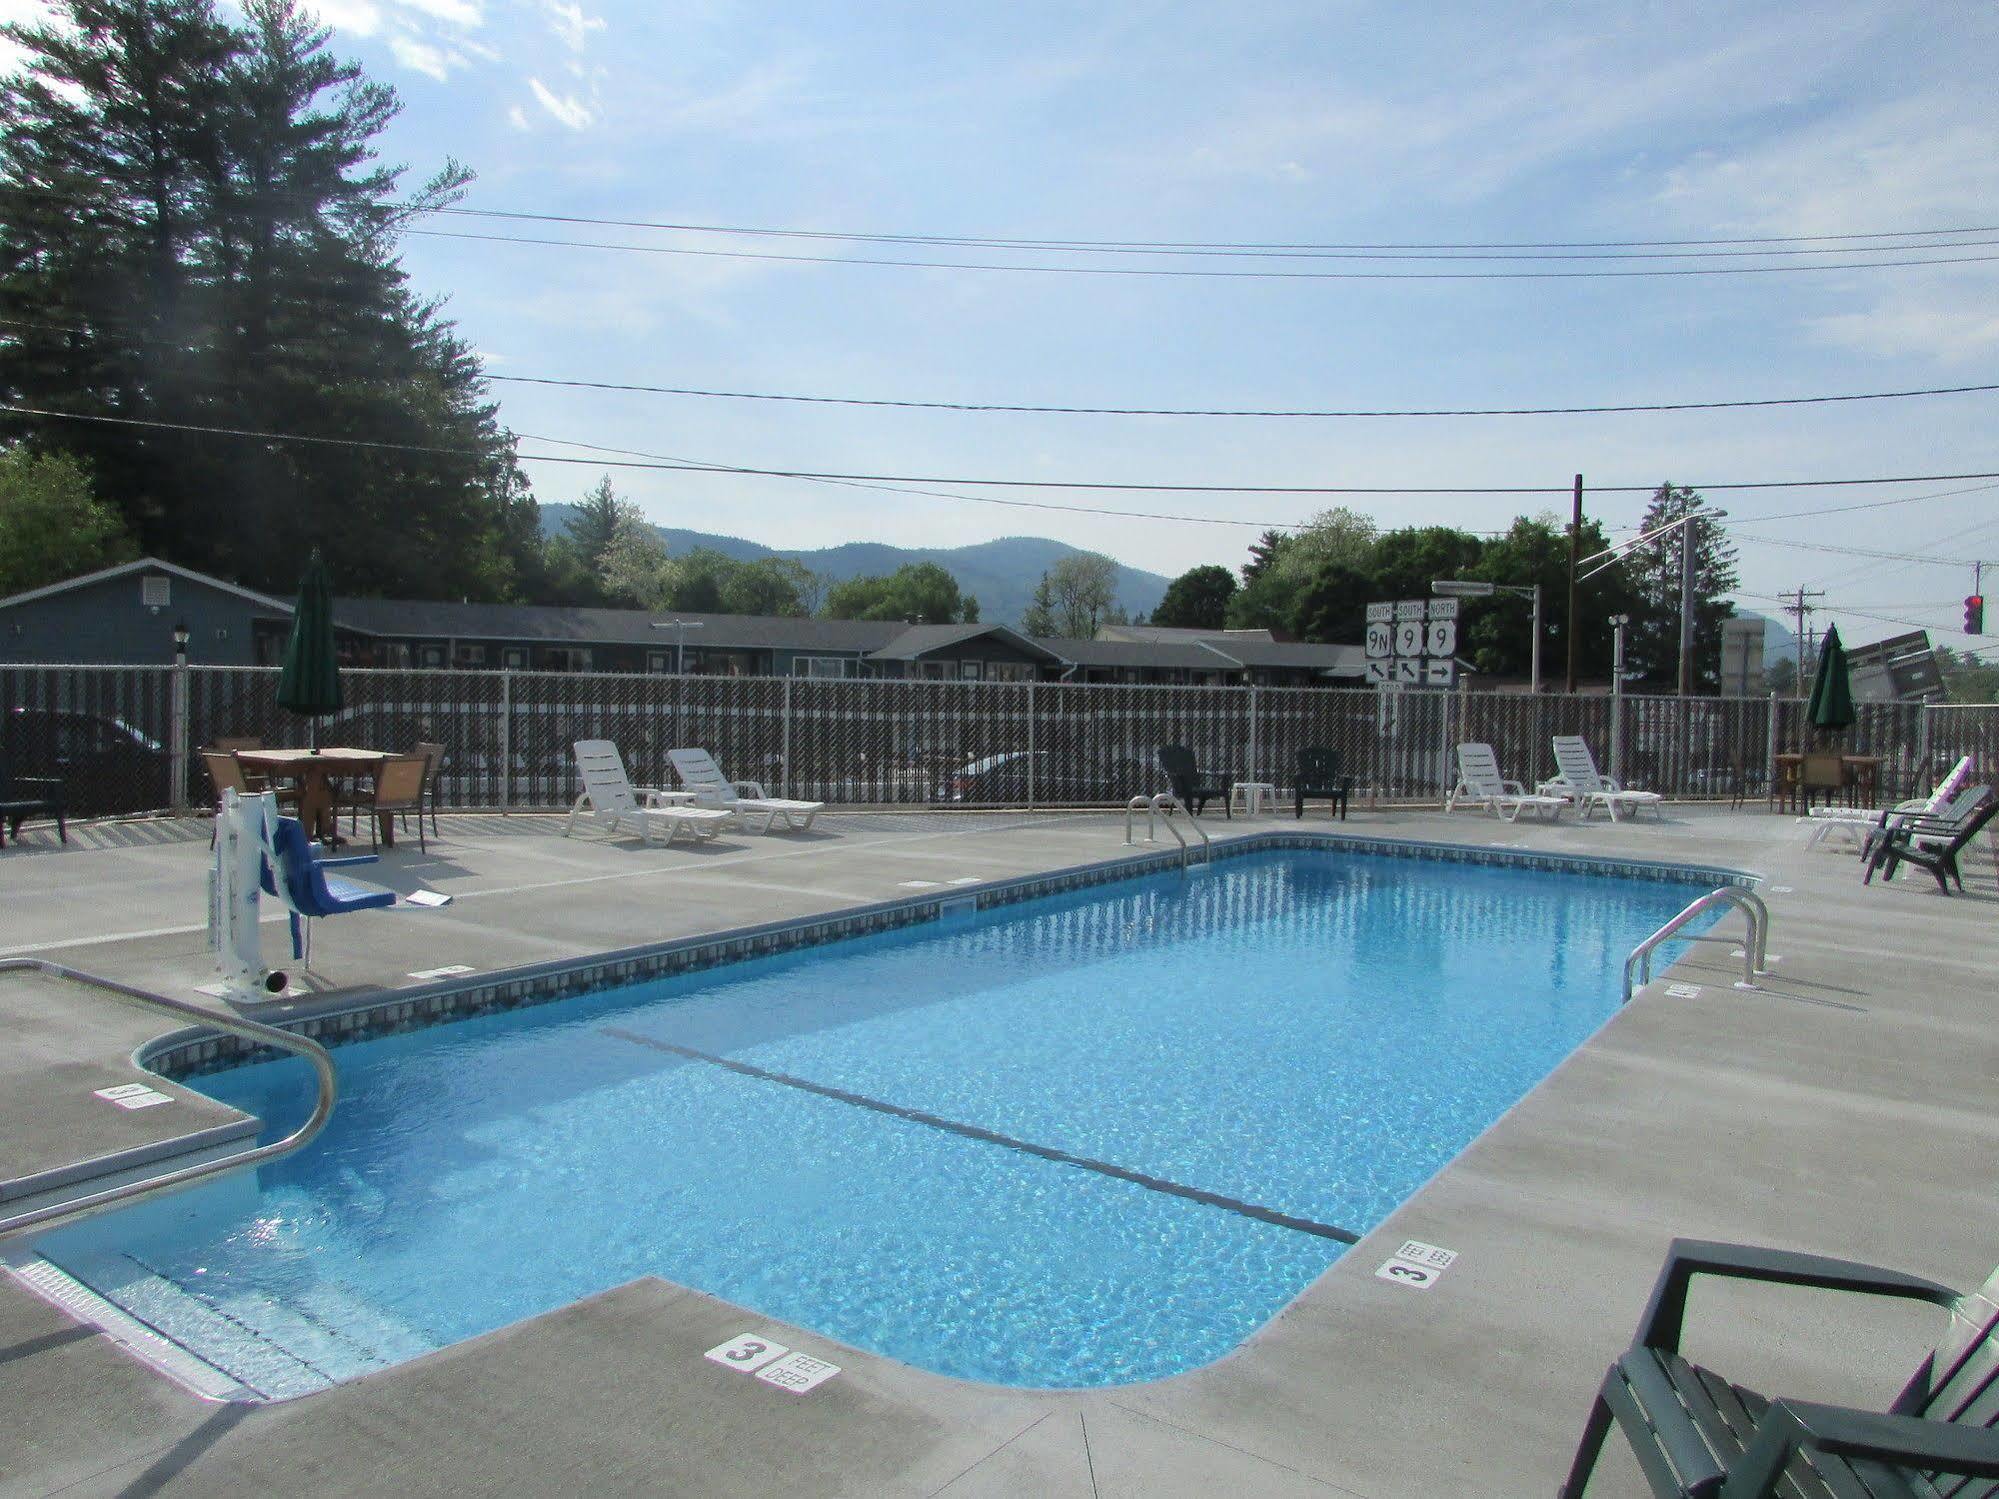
1860, 773
315, 770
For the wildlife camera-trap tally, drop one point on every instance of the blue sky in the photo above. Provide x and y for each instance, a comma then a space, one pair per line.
1270, 122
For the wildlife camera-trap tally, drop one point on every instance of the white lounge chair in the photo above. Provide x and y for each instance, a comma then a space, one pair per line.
1576, 777
745, 799
615, 802
1481, 784
1857, 822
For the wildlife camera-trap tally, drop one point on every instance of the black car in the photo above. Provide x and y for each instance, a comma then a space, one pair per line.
1002, 780
105, 764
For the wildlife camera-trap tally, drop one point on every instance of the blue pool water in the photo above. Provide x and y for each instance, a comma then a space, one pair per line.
1280, 1049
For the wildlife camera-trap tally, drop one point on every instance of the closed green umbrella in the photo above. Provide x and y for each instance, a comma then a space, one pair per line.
1831, 707
310, 681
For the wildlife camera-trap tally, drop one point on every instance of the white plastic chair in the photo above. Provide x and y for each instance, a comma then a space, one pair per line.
614, 802
1578, 779
700, 774
1481, 784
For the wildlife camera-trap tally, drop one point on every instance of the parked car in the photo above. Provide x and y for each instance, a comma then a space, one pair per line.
106, 765
1002, 779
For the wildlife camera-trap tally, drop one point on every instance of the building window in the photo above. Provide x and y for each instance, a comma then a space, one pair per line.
468, 655
514, 658
971, 671
430, 655
659, 662
821, 666
566, 658
1009, 671
930, 671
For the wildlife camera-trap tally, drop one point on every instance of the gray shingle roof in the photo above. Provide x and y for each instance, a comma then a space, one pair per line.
920, 640
562, 625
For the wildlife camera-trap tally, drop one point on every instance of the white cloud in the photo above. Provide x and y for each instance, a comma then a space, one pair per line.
1921, 162
517, 117
422, 57
355, 17
466, 13
570, 25
565, 110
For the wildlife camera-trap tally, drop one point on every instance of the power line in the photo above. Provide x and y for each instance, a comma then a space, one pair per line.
1914, 499
904, 479
974, 499
1269, 247
1022, 407
1176, 271
1278, 248
1820, 546
995, 406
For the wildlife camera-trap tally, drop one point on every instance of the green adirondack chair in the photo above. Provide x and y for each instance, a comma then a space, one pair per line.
1697, 1434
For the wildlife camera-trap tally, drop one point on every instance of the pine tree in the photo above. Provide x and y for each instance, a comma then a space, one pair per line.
1653, 573
195, 234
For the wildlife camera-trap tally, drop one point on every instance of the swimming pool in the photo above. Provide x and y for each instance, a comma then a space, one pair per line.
1084, 1140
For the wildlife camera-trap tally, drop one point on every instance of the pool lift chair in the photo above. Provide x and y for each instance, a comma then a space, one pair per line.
258, 852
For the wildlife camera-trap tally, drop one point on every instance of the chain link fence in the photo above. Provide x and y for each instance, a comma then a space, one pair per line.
124, 738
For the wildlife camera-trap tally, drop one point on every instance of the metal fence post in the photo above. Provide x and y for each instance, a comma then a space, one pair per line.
506, 739
1922, 766
177, 731
1255, 766
1770, 751
784, 742
1030, 745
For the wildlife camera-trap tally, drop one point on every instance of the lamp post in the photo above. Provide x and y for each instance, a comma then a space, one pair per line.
679, 628
1617, 624
177, 721
1466, 588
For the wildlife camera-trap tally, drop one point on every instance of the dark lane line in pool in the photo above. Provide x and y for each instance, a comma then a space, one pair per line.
992, 1137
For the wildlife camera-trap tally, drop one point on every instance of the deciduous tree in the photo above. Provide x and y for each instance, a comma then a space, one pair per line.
1197, 599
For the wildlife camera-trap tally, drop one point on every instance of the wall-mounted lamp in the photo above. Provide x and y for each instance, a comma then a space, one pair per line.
181, 633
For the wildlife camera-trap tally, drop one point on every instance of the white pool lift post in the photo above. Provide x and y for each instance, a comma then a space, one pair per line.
235, 886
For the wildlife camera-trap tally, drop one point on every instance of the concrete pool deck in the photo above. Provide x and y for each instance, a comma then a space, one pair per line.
1848, 1107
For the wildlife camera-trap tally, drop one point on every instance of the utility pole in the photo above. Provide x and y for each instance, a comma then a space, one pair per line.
1802, 611
1687, 602
1575, 555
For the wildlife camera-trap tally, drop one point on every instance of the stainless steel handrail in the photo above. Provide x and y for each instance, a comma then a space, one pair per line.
1755, 945
58, 1214
1162, 805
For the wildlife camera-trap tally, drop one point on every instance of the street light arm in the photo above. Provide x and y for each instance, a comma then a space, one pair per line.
1620, 548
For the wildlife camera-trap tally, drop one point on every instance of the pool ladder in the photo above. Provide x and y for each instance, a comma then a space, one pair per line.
1162, 807
56, 1215
1755, 944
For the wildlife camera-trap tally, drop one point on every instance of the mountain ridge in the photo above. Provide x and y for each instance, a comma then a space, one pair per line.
1000, 574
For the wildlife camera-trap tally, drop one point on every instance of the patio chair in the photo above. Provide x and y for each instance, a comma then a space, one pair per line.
1481, 784
1931, 843
226, 773
396, 788
614, 802
1193, 786
433, 755
22, 797
1319, 774
700, 774
1576, 778
297, 878
1821, 773
1696, 1433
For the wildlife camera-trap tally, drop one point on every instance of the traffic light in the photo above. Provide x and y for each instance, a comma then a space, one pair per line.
1974, 614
